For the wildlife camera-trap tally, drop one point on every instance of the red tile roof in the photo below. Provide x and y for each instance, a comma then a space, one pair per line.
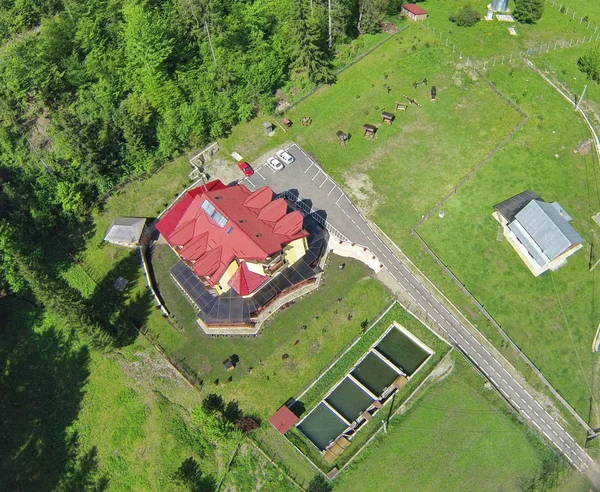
284, 419
414, 9
245, 281
253, 227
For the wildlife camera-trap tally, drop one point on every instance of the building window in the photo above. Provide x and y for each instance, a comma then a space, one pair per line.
214, 214
258, 235
241, 221
229, 231
218, 197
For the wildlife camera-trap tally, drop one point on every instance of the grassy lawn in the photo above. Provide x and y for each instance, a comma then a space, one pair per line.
262, 381
315, 394
529, 308
563, 66
458, 435
489, 38
96, 420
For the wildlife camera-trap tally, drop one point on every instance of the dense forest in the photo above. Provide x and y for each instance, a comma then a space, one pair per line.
93, 93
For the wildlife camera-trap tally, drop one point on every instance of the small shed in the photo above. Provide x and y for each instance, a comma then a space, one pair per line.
433, 92
287, 122
387, 117
413, 12
228, 364
284, 419
269, 128
126, 231
370, 130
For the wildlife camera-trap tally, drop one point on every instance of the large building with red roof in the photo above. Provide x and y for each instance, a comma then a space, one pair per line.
232, 238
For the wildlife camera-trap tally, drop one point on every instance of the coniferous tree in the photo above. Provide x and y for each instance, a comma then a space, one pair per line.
308, 56
528, 11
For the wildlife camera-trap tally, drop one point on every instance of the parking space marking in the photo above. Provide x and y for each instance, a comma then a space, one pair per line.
325, 180
318, 172
334, 187
258, 172
251, 183
308, 168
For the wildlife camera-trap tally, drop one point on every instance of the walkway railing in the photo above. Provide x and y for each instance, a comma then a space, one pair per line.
308, 210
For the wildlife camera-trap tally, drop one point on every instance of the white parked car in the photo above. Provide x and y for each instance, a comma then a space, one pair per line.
285, 156
275, 164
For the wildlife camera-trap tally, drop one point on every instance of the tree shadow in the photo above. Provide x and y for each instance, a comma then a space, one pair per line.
122, 313
42, 376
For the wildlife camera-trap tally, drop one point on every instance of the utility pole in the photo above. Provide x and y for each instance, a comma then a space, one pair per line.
581, 98
330, 36
210, 42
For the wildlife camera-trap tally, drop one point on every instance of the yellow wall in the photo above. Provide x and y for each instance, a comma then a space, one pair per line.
295, 250
222, 286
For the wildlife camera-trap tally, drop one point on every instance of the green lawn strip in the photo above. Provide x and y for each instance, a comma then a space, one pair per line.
317, 392
527, 307
279, 449
457, 435
491, 38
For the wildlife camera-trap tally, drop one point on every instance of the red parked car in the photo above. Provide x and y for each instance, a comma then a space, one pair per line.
246, 168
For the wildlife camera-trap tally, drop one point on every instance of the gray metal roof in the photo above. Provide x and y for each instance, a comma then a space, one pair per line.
125, 230
544, 231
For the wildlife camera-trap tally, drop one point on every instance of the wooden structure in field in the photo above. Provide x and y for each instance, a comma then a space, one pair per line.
387, 117
370, 130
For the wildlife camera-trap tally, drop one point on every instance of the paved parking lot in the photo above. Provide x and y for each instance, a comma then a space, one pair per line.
305, 179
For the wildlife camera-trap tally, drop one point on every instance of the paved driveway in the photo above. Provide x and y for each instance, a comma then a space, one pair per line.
307, 180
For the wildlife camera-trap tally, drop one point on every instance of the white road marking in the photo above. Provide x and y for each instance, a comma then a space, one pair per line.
258, 172
325, 180
308, 168
334, 187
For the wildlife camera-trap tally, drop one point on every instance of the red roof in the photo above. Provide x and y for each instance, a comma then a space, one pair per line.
245, 281
284, 419
212, 225
414, 9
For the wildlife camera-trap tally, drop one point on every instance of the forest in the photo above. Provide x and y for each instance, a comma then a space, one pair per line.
96, 93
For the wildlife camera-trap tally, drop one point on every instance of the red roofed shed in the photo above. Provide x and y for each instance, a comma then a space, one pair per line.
414, 12
284, 419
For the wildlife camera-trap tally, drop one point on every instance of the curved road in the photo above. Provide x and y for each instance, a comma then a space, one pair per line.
306, 177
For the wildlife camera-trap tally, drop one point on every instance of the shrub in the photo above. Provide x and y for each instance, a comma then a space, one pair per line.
466, 17
528, 11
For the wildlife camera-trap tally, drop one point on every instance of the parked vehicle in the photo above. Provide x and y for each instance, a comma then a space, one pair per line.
246, 168
285, 156
275, 164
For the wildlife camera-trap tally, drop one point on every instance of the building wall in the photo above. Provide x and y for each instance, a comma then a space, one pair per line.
412, 16
222, 286
295, 250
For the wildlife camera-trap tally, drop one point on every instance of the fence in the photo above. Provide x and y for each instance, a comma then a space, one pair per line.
308, 210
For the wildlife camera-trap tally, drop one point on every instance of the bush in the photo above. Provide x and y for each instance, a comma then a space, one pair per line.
466, 17
528, 11
589, 64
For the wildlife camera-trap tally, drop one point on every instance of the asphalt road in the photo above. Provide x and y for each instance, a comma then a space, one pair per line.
313, 185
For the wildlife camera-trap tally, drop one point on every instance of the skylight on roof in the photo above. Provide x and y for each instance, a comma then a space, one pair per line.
214, 214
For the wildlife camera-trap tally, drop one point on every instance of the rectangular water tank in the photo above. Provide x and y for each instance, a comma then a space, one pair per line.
499, 5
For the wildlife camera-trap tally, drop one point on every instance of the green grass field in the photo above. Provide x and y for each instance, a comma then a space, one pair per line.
458, 435
491, 38
531, 309
87, 420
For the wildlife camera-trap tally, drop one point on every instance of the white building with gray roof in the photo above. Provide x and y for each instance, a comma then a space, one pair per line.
540, 232
126, 231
